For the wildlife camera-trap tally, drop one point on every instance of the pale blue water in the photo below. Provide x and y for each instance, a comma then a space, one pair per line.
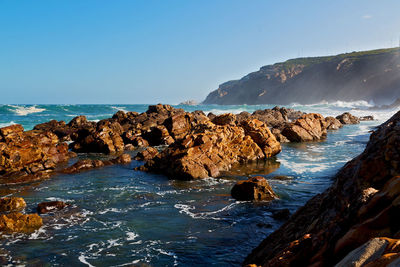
125, 217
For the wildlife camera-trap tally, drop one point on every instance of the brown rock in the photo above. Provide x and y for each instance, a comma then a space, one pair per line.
363, 203
123, 159
347, 118
255, 188
21, 223
45, 207
178, 125
147, 154
333, 123
29, 153
11, 204
309, 127
262, 136
225, 119
210, 149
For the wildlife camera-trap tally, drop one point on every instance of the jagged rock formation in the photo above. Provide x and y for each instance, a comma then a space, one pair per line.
341, 224
370, 75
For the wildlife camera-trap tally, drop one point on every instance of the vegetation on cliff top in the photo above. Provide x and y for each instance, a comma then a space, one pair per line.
307, 61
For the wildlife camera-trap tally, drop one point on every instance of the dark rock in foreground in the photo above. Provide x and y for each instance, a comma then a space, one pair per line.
253, 189
361, 205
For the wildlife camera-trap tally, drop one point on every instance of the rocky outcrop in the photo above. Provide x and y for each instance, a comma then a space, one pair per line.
209, 149
51, 206
345, 220
309, 127
105, 138
368, 75
26, 155
21, 223
12, 204
147, 154
347, 118
253, 189
333, 123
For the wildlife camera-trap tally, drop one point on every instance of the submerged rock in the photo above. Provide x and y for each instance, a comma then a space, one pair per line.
88, 164
21, 223
335, 227
254, 189
9, 204
46, 207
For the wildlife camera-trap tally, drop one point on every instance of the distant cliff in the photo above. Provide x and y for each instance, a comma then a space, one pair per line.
369, 75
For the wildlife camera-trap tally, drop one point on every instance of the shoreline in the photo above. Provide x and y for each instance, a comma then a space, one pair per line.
224, 122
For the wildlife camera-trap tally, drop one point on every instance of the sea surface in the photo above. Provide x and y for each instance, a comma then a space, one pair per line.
122, 217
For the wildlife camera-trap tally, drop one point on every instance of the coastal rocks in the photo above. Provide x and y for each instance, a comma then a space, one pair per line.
35, 152
309, 127
105, 138
88, 164
210, 149
147, 154
12, 204
333, 123
277, 116
347, 118
51, 206
366, 118
21, 223
253, 189
225, 119
262, 136
362, 204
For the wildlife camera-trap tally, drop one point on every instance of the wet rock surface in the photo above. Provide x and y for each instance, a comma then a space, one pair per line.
88, 164
51, 206
361, 205
253, 189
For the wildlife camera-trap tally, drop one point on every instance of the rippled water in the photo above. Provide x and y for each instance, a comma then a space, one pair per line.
122, 217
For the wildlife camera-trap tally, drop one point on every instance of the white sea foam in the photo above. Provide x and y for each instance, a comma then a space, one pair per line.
300, 168
5, 124
23, 111
131, 236
82, 258
119, 108
187, 209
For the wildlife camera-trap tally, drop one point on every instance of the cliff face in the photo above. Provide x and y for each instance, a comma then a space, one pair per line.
371, 75
337, 226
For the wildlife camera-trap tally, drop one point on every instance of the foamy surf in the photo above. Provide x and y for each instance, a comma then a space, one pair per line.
25, 110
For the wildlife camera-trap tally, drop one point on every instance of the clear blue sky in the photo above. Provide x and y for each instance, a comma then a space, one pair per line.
144, 51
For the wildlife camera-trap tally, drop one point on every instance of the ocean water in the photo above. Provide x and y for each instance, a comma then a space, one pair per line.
122, 217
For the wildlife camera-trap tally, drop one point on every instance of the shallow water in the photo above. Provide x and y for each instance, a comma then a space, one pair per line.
122, 217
